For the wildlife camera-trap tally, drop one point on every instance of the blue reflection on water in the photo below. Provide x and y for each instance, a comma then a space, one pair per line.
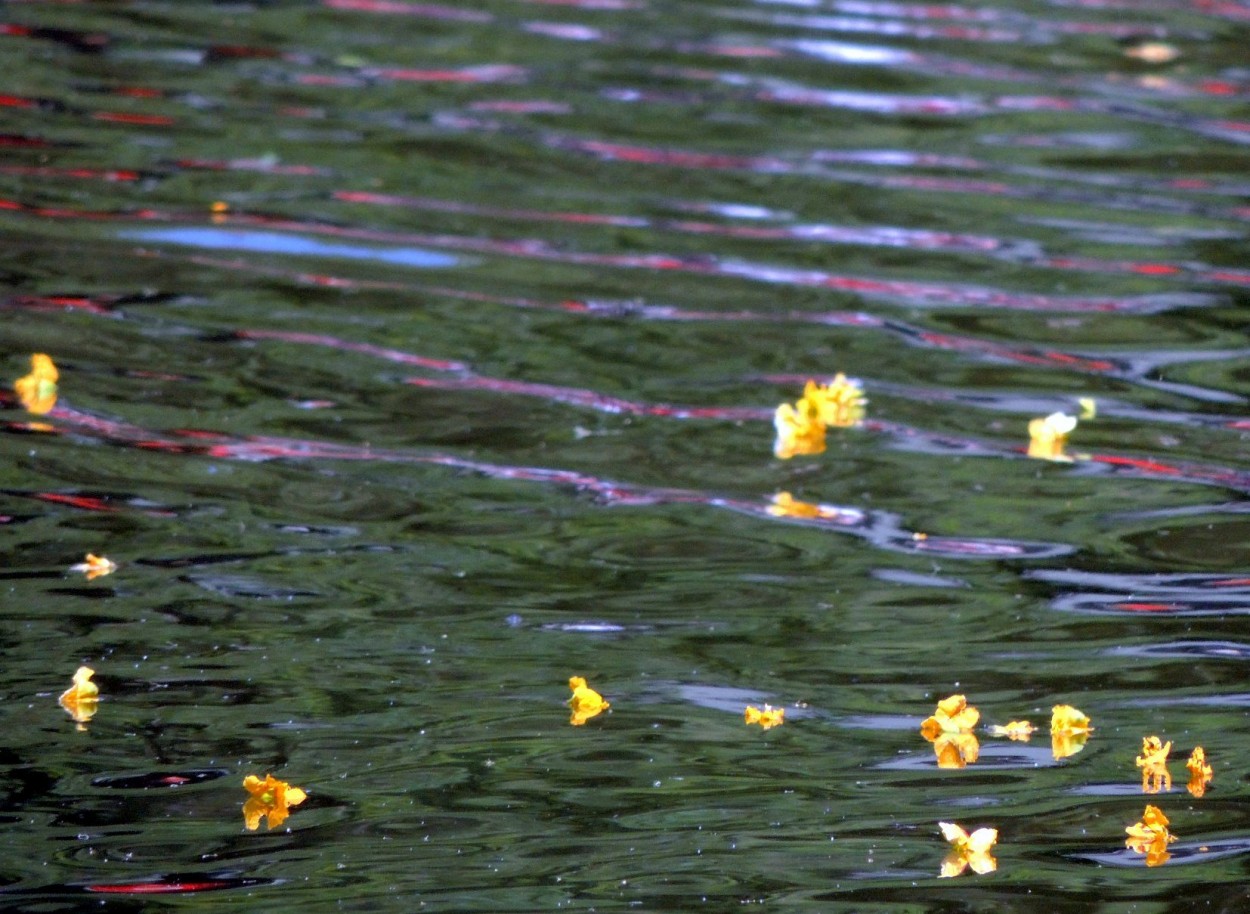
279, 243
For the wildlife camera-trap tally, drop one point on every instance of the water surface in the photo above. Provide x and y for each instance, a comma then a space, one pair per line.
416, 357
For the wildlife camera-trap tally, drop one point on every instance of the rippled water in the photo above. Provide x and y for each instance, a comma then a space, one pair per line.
416, 357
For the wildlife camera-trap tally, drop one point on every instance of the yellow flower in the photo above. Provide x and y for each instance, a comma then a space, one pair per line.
82, 699
270, 798
1150, 836
799, 430
956, 750
953, 715
767, 718
801, 427
1069, 729
95, 566
968, 850
785, 505
1015, 729
1089, 408
37, 390
1200, 773
1153, 763
1047, 437
586, 702
839, 403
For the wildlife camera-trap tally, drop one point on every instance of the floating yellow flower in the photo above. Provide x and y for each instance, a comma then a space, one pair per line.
586, 702
1089, 408
37, 390
953, 715
1153, 763
1069, 729
1200, 773
82, 698
767, 718
785, 505
801, 427
956, 750
1151, 837
270, 798
94, 566
839, 403
799, 430
1047, 437
968, 850
1015, 729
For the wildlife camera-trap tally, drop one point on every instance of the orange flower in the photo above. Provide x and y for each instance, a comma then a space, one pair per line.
1151, 837
1153, 763
270, 798
1016, 729
968, 850
1200, 773
586, 702
953, 715
956, 750
1047, 437
767, 718
95, 566
37, 390
82, 699
785, 505
1069, 729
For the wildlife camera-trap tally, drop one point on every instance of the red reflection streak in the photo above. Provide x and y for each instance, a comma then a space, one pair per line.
82, 502
141, 120
38, 171
102, 305
589, 399
1148, 607
159, 888
391, 355
425, 10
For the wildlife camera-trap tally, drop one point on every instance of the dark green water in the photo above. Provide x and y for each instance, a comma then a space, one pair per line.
466, 388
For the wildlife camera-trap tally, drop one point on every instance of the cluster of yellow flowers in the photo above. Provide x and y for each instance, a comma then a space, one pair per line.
801, 427
950, 729
951, 726
270, 798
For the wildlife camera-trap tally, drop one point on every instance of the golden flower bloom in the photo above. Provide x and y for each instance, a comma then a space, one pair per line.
1153, 763
785, 505
1069, 730
956, 750
270, 798
1015, 729
1200, 773
586, 702
799, 430
82, 699
968, 850
1047, 437
767, 718
1150, 836
1065, 718
37, 390
953, 715
95, 566
839, 403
